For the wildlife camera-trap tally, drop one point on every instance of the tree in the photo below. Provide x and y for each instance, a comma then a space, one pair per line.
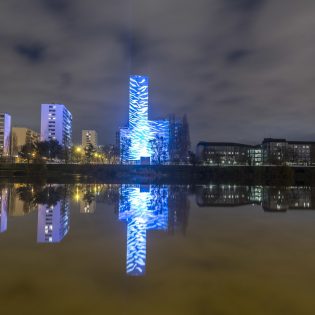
49, 149
89, 150
49, 195
66, 154
27, 152
77, 154
159, 150
54, 149
110, 154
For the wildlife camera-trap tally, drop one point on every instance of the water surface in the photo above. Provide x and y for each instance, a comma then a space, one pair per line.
135, 249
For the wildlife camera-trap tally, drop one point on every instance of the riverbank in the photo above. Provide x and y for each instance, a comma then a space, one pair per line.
175, 174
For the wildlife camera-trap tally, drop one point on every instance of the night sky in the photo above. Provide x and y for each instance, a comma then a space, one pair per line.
240, 69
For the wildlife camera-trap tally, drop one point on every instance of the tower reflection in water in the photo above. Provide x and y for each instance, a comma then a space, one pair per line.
143, 208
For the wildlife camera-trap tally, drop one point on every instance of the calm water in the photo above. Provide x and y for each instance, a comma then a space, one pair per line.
131, 249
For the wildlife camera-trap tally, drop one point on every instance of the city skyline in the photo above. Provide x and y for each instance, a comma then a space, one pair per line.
236, 80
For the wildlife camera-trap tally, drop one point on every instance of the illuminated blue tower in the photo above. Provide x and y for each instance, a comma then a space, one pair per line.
144, 141
143, 208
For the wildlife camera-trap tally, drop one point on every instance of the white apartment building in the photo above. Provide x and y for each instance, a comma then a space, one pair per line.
5, 134
56, 124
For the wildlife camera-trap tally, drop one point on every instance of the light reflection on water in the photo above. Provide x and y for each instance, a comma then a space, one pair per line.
142, 207
193, 246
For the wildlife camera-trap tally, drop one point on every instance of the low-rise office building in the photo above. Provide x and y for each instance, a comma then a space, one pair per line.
274, 151
294, 153
301, 153
255, 154
223, 153
270, 152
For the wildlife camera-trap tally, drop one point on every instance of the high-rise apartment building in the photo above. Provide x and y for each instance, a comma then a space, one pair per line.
179, 143
5, 134
22, 136
56, 124
89, 137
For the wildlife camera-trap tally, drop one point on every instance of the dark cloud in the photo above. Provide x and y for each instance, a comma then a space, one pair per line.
65, 80
134, 47
56, 6
245, 5
237, 55
240, 69
33, 52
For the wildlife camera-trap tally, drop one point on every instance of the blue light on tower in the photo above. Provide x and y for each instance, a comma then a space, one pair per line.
142, 209
138, 117
136, 140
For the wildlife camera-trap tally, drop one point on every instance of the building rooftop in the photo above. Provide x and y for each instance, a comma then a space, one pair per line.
266, 140
301, 142
222, 144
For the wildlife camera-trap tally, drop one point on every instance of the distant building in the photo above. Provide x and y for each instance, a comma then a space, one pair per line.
179, 143
270, 152
5, 135
281, 151
255, 154
223, 153
274, 151
22, 136
56, 124
89, 137
301, 153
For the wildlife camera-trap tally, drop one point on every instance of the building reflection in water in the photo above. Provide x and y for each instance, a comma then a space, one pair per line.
271, 199
143, 208
4, 209
53, 214
53, 222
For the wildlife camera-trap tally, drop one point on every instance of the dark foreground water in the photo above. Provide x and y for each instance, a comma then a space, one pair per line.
131, 249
